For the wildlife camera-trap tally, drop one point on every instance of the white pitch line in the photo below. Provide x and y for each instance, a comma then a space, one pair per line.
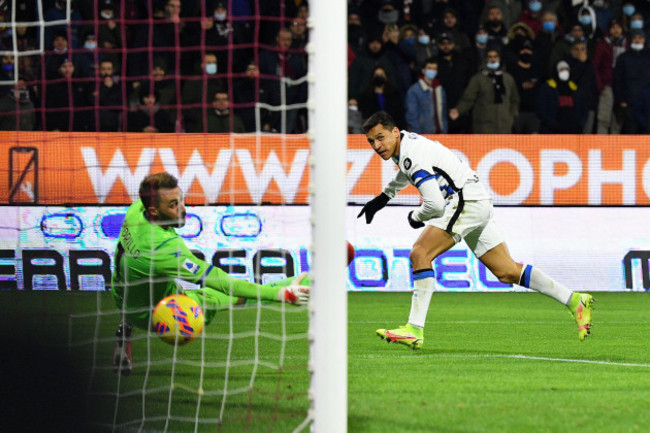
532, 358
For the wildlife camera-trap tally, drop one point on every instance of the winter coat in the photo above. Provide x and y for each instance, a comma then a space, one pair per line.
421, 113
489, 117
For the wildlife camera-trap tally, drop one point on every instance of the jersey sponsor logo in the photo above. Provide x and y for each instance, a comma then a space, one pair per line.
407, 163
191, 266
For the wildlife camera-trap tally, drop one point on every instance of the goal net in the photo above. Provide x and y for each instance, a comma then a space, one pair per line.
104, 93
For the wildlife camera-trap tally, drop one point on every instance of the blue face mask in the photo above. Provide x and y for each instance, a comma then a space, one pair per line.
585, 20
493, 65
8, 67
628, 10
430, 74
548, 26
90, 46
636, 24
482, 39
424, 39
211, 68
535, 6
410, 41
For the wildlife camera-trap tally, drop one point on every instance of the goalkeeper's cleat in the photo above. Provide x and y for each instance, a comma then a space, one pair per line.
295, 293
581, 307
407, 335
122, 357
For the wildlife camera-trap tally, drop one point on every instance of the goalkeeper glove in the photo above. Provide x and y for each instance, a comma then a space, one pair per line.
415, 224
374, 206
295, 293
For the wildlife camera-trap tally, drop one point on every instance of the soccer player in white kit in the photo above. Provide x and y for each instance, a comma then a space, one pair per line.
455, 206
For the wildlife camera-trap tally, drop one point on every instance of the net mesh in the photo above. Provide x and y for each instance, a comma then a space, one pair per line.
69, 181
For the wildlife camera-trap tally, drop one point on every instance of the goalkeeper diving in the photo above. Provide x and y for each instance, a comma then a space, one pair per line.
150, 256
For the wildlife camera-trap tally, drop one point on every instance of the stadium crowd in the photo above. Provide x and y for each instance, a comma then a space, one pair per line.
436, 66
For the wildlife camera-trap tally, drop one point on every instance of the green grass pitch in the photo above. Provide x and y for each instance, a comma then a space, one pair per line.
508, 362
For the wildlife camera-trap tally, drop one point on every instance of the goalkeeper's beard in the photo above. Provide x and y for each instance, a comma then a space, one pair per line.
172, 221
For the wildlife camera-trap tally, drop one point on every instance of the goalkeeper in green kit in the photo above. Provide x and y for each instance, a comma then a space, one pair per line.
150, 256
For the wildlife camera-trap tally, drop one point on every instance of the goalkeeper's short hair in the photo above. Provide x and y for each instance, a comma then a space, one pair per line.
151, 184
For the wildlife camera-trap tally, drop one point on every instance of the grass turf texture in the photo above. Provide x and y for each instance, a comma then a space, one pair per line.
490, 363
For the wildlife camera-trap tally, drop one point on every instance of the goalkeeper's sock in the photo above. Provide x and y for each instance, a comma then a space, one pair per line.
535, 279
423, 282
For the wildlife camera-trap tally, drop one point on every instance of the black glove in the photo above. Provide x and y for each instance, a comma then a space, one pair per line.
374, 206
415, 224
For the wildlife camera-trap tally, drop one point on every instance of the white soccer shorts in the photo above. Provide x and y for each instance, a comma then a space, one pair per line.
475, 224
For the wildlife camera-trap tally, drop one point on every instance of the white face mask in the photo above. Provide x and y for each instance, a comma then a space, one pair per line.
564, 75
353, 108
107, 15
636, 46
220, 17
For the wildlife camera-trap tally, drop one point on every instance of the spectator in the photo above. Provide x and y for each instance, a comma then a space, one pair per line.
546, 40
426, 103
450, 25
528, 75
518, 34
355, 120
532, 16
299, 33
357, 36
360, 73
509, 9
425, 48
110, 96
109, 34
562, 48
628, 10
400, 50
149, 117
247, 92
161, 84
218, 32
631, 75
607, 51
277, 65
497, 31
492, 97
453, 72
196, 93
7, 72
636, 21
29, 66
584, 75
587, 18
58, 12
381, 95
69, 102
478, 50
220, 118
559, 104
17, 110
604, 14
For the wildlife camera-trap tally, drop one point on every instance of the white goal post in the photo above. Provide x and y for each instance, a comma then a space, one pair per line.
327, 106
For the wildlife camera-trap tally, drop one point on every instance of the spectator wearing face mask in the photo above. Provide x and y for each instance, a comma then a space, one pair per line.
628, 10
426, 102
547, 38
17, 109
491, 96
496, 29
592, 33
510, 10
360, 71
631, 75
478, 51
454, 73
195, 93
559, 104
532, 16
381, 95
528, 76
425, 47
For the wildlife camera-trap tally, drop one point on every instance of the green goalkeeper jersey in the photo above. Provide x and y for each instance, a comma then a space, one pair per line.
149, 258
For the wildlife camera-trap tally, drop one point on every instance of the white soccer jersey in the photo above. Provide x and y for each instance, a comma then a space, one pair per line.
436, 172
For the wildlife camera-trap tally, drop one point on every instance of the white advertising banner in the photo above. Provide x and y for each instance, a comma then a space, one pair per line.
585, 248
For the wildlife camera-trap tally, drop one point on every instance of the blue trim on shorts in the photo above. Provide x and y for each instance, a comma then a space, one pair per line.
423, 273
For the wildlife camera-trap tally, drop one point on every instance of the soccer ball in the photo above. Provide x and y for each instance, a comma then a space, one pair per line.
178, 319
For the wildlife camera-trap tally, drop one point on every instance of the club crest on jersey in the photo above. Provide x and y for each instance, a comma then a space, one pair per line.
407, 163
191, 266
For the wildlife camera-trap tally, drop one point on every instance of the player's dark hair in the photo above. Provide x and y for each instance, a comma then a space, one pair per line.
151, 184
380, 117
